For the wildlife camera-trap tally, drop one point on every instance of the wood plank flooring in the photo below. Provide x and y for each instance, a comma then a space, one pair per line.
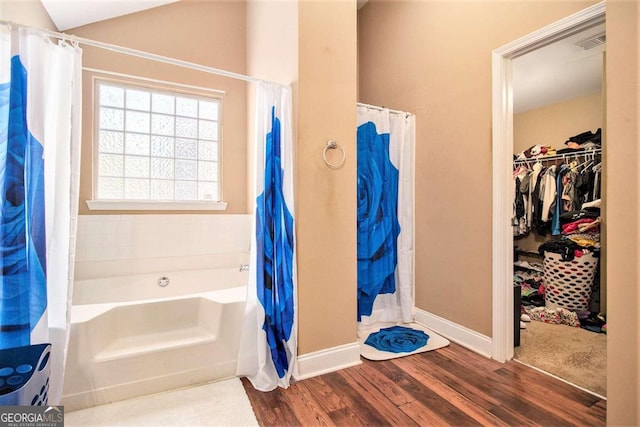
450, 386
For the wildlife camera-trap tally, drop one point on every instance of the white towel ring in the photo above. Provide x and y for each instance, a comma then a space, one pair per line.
332, 145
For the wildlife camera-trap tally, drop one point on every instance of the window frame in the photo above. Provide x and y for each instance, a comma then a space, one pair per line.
161, 87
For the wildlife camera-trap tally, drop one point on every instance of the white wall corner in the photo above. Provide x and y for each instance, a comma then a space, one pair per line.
328, 360
459, 334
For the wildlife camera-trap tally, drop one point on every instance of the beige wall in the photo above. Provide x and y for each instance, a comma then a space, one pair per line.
554, 124
326, 198
321, 66
261, 62
623, 211
207, 33
26, 12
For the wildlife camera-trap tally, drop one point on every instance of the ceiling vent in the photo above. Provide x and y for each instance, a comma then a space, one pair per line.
592, 42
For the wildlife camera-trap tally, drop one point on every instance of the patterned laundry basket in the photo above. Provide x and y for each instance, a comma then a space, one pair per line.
24, 376
568, 283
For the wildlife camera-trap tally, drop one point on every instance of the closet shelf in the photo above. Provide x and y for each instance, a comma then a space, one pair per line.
573, 155
527, 266
528, 253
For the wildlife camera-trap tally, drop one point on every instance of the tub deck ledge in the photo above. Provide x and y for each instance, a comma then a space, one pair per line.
132, 346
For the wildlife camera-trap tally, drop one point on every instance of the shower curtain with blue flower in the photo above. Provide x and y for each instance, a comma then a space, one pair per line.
40, 101
385, 143
268, 344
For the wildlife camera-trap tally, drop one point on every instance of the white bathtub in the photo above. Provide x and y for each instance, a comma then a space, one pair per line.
130, 337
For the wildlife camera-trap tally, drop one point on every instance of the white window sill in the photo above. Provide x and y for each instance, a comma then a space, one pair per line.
124, 205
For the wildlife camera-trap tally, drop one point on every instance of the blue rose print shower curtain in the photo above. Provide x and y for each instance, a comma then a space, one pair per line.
268, 348
385, 142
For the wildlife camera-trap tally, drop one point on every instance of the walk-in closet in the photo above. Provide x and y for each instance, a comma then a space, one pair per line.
558, 211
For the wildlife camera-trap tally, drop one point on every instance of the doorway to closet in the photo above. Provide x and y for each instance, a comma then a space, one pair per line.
550, 271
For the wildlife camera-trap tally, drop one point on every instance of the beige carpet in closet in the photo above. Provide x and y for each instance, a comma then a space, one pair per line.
573, 354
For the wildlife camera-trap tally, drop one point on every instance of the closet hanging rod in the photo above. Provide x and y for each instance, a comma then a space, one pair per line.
375, 107
137, 53
597, 151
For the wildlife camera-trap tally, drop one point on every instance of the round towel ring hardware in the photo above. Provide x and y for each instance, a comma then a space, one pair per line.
332, 145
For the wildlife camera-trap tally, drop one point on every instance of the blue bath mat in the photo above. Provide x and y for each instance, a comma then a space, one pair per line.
397, 339
389, 341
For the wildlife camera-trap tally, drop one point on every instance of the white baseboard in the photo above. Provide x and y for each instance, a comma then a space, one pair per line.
466, 337
328, 360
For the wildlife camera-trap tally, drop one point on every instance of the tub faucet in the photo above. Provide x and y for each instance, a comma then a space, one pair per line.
244, 267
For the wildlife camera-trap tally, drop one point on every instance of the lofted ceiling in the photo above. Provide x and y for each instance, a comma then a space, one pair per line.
67, 14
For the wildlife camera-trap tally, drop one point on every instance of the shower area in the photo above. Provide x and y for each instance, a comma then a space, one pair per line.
385, 144
385, 242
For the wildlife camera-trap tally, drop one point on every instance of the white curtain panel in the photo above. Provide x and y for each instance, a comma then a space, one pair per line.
398, 306
52, 95
268, 342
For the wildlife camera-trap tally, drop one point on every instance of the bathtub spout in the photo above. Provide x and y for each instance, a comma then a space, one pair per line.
244, 267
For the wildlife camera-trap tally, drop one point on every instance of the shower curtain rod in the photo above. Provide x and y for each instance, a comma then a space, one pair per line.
375, 107
138, 53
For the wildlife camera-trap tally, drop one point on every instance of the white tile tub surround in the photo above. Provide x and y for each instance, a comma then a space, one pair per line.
110, 245
129, 337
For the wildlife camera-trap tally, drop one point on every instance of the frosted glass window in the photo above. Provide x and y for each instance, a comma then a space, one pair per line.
186, 190
186, 148
111, 188
112, 96
111, 142
207, 191
207, 171
162, 124
137, 143
187, 107
162, 168
208, 130
186, 127
162, 189
186, 169
161, 103
136, 167
136, 189
111, 165
111, 118
137, 122
208, 110
156, 145
138, 100
162, 146
207, 150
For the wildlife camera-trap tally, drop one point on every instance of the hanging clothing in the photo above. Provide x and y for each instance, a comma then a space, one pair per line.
548, 193
541, 195
533, 197
521, 201
558, 208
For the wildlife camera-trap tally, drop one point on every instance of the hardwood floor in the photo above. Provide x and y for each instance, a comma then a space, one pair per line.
450, 386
